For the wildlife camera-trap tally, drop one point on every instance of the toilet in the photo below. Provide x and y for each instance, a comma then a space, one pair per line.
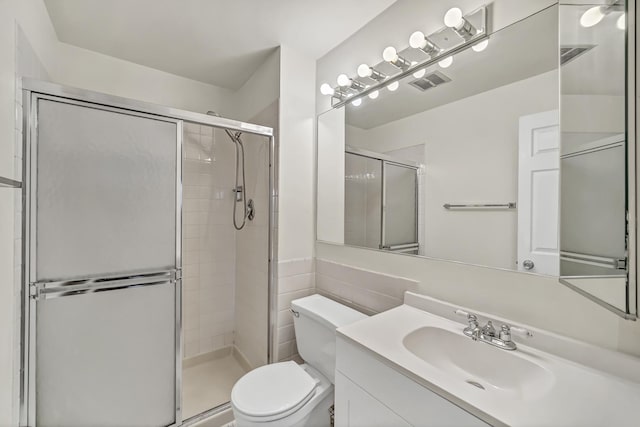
286, 394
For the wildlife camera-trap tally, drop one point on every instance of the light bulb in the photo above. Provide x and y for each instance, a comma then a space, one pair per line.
343, 80
393, 86
364, 70
621, 23
592, 16
374, 94
390, 54
479, 47
356, 102
417, 40
420, 73
326, 89
446, 62
453, 18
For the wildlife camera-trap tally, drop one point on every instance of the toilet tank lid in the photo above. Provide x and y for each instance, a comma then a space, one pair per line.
331, 313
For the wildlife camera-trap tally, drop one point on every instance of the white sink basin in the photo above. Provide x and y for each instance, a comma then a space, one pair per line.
480, 364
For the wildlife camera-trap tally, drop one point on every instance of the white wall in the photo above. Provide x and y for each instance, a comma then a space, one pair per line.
477, 162
297, 122
331, 185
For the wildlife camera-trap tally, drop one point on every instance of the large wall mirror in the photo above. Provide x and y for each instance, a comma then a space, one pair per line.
512, 156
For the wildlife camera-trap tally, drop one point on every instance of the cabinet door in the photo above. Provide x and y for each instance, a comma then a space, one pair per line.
355, 407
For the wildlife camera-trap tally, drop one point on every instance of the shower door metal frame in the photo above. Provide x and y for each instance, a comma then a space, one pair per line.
34, 90
384, 161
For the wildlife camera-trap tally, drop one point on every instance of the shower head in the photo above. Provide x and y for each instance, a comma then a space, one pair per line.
234, 136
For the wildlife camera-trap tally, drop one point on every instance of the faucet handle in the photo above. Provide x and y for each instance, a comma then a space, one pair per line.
471, 318
506, 330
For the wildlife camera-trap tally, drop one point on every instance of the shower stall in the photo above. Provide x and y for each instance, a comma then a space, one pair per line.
146, 281
381, 202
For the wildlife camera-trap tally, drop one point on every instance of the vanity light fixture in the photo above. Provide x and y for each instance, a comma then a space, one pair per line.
326, 89
420, 73
461, 33
479, 47
594, 15
366, 71
621, 23
390, 54
347, 82
446, 62
455, 20
419, 41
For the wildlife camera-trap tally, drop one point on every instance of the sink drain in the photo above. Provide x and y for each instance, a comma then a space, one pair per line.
475, 384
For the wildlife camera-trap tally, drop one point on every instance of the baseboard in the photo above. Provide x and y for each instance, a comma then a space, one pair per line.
206, 357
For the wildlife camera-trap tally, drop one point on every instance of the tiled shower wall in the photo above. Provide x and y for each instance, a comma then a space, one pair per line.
252, 249
209, 243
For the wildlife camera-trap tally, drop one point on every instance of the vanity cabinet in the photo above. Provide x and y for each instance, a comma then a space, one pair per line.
368, 392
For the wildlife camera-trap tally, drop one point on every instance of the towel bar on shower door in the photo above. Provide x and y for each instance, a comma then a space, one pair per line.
511, 205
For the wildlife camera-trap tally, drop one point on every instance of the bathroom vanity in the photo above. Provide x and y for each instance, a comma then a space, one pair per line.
413, 365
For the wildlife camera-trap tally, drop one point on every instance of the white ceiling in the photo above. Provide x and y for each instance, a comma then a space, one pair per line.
220, 42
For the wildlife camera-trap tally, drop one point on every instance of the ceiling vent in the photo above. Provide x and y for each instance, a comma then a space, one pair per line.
429, 81
569, 53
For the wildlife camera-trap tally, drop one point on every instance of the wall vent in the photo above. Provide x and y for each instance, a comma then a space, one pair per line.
429, 81
569, 53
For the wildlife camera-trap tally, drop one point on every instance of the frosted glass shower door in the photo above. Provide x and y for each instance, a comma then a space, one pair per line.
104, 266
400, 208
106, 192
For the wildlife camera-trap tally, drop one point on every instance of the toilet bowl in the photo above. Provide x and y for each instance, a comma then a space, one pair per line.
286, 394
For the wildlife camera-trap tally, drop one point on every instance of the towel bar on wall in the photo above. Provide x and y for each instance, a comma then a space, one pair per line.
511, 205
9, 183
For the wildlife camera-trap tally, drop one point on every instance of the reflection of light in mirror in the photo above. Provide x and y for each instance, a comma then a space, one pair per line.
446, 62
326, 89
592, 16
364, 71
343, 80
390, 54
374, 94
393, 86
621, 23
356, 102
479, 47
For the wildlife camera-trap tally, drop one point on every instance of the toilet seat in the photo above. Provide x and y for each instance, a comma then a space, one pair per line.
273, 391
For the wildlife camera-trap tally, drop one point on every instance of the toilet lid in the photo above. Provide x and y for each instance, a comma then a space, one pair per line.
273, 391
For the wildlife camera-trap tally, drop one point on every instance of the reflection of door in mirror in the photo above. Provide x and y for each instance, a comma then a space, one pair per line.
538, 182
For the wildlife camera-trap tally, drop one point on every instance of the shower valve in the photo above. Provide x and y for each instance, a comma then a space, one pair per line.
239, 191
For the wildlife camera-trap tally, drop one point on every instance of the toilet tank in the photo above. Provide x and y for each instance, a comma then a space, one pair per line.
315, 321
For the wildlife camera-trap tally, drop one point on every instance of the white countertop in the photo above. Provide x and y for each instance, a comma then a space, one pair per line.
580, 395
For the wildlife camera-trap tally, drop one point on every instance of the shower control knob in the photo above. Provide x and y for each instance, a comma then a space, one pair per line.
528, 264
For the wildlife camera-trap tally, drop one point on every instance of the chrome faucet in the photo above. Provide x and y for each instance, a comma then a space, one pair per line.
488, 334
